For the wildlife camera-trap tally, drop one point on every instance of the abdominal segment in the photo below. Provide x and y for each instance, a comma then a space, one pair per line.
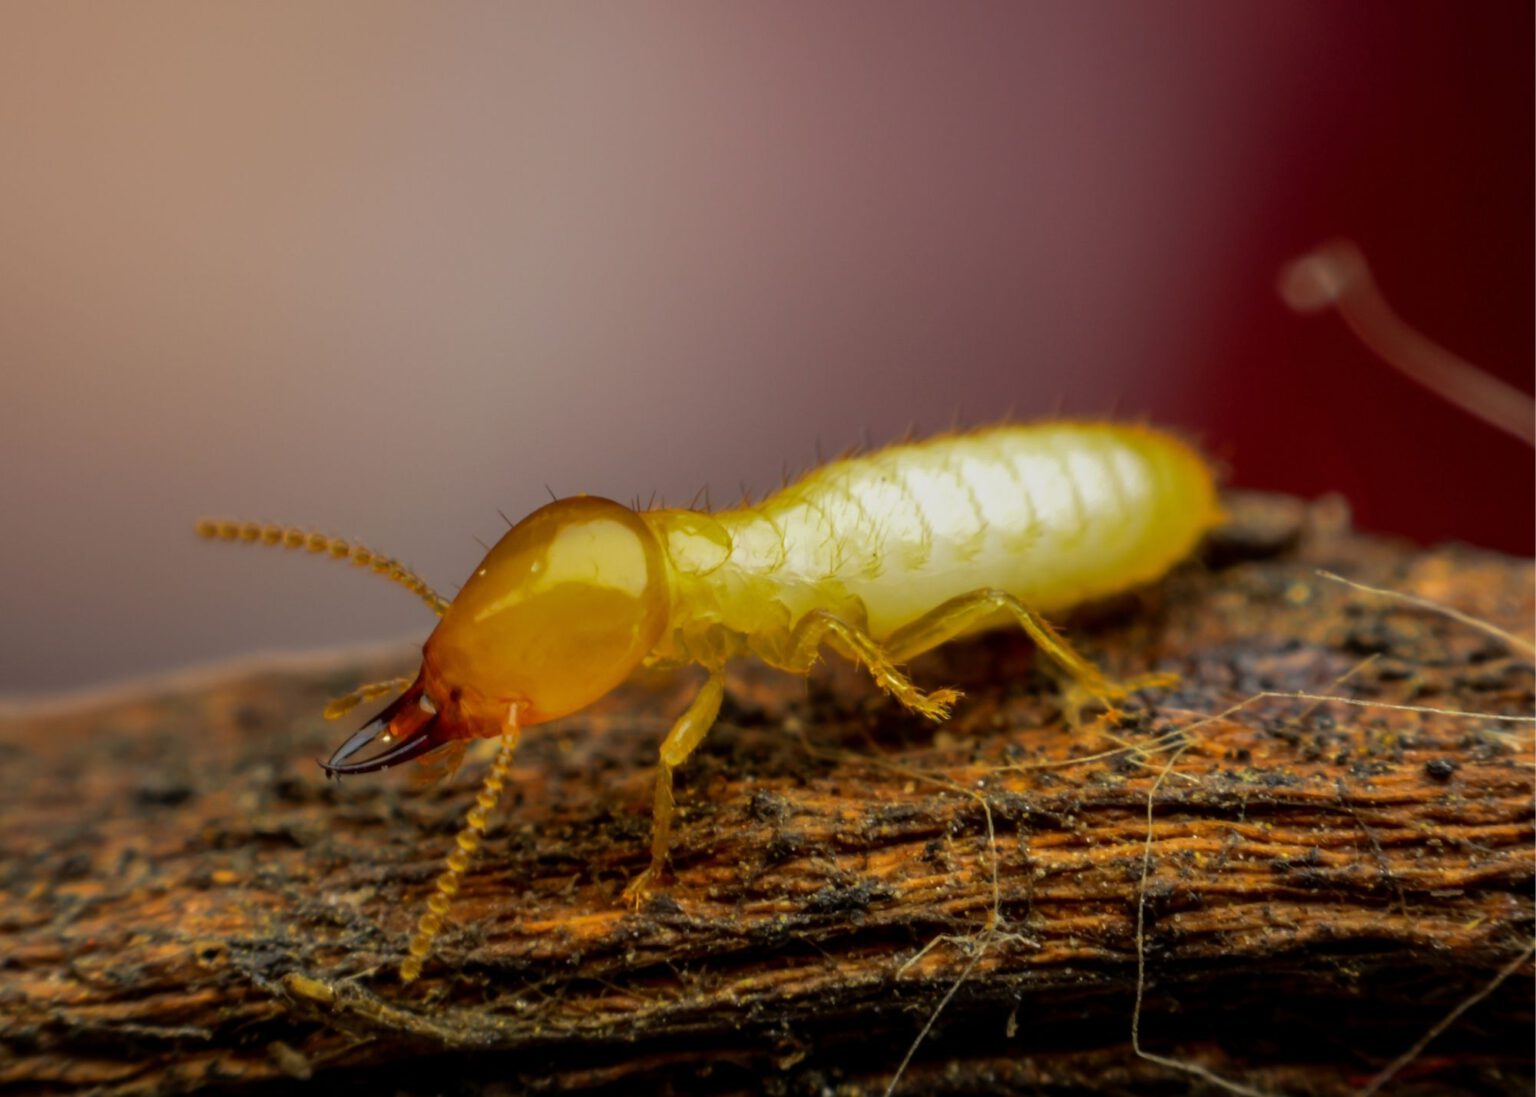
1053, 514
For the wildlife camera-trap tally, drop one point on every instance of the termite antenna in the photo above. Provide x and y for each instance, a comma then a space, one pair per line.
457, 863
343, 705
292, 537
1337, 275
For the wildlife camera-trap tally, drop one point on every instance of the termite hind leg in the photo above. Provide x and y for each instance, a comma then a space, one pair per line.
686, 734
1086, 684
467, 841
819, 625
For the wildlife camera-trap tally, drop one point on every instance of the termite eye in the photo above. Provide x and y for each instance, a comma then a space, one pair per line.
455, 694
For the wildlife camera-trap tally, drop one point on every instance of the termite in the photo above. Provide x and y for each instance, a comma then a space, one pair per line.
881, 557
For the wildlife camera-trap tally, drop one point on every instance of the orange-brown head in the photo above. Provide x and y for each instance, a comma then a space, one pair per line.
558, 613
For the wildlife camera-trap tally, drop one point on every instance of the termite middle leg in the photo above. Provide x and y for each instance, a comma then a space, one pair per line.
815, 627
958, 615
686, 734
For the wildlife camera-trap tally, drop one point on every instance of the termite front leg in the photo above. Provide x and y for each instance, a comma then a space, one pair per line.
815, 627
686, 734
960, 614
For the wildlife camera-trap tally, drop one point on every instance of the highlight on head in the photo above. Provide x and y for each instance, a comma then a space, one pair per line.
320, 544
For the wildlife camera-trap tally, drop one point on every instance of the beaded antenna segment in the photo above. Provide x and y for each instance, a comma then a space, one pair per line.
292, 537
465, 845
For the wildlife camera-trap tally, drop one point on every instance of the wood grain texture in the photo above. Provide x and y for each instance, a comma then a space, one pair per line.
188, 904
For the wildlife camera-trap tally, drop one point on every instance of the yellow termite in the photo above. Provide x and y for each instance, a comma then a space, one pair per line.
881, 557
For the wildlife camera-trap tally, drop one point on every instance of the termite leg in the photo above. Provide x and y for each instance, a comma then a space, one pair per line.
816, 626
343, 705
957, 615
686, 734
465, 844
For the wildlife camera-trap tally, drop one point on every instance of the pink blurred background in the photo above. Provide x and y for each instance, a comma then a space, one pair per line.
384, 268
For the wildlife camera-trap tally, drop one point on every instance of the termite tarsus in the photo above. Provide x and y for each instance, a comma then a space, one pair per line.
881, 556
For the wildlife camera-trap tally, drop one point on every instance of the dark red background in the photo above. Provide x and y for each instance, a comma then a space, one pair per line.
1419, 146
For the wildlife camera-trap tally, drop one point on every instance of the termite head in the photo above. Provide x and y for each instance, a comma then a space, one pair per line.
560, 611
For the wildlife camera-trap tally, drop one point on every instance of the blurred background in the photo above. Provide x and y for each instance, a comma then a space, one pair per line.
382, 269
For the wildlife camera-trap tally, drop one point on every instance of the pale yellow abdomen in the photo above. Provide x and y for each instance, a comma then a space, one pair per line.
1054, 514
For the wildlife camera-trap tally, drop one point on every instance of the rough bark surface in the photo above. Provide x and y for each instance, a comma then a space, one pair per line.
188, 903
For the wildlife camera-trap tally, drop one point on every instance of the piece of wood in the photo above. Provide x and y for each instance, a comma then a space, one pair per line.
188, 903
